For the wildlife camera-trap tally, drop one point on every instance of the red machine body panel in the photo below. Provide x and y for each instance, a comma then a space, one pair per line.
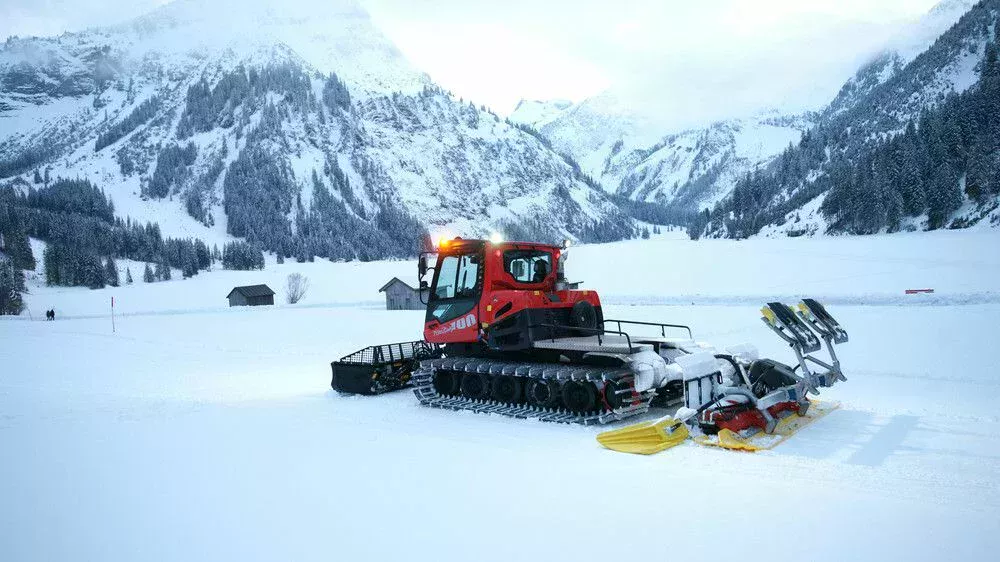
478, 283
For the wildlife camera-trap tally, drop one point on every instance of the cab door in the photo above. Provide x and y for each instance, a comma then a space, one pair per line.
454, 309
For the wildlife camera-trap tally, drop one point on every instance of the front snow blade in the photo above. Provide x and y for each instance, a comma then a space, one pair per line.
759, 441
645, 438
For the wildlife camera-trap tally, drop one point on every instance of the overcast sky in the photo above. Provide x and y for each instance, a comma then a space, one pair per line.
703, 59
700, 58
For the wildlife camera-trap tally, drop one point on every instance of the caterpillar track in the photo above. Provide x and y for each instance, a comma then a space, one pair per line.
439, 383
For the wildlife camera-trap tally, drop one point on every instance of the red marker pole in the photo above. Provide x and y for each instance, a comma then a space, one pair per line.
112, 315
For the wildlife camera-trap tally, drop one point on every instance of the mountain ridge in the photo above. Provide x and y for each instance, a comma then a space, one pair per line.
696, 168
789, 195
168, 127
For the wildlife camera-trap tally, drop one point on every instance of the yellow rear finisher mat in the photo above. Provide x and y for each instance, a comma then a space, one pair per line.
759, 441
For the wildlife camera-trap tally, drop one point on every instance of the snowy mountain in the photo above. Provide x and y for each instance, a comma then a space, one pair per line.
536, 113
629, 155
590, 130
916, 38
859, 145
302, 129
695, 169
910, 42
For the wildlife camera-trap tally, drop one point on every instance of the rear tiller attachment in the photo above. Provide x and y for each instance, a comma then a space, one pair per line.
765, 391
793, 326
748, 403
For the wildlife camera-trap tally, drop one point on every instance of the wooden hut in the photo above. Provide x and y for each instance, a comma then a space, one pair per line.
251, 295
399, 295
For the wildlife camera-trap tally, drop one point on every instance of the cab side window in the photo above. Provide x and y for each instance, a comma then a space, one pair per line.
527, 266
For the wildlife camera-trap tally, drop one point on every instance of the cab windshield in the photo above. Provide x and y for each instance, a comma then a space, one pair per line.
458, 276
456, 286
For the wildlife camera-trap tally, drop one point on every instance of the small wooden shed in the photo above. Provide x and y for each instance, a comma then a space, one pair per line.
399, 295
251, 295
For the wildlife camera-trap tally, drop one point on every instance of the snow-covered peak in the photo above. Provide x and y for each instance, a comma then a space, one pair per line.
330, 36
919, 36
260, 11
960, 6
902, 49
604, 123
537, 113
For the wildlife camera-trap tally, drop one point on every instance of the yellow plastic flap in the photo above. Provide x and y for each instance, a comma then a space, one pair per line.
645, 438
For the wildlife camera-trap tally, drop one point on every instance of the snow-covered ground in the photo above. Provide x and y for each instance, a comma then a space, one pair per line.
961, 266
209, 433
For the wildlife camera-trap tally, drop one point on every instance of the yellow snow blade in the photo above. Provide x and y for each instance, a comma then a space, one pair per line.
730, 440
760, 441
645, 438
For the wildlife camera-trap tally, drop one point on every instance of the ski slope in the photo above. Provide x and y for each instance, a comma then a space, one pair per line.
199, 432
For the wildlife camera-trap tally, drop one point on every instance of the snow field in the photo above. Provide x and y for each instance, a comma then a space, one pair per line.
962, 266
214, 436
200, 432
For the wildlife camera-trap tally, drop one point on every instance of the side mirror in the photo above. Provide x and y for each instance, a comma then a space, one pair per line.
422, 268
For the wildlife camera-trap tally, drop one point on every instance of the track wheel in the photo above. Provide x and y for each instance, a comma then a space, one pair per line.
579, 396
542, 393
476, 386
447, 383
507, 389
617, 393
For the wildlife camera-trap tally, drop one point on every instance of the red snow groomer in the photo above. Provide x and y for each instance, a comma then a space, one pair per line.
506, 333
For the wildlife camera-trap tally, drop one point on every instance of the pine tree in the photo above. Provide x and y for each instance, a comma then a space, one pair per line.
893, 204
147, 275
203, 255
14, 240
300, 252
166, 272
911, 182
91, 272
189, 263
944, 198
870, 211
128, 276
111, 272
11, 287
50, 259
